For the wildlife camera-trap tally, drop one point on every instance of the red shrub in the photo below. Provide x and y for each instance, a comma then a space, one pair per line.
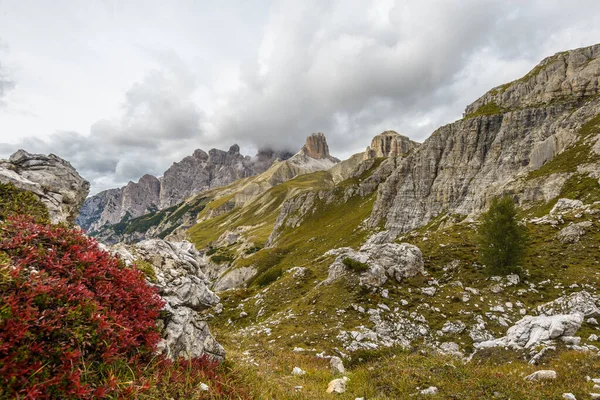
70, 315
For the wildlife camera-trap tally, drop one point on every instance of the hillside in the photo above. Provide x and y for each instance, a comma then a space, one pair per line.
299, 302
194, 174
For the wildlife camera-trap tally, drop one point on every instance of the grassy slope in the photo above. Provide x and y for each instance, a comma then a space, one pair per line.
310, 319
300, 314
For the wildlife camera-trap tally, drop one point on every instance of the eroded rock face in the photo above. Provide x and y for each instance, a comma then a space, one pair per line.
531, 331
316, 146
235, 278
464, 164
52, 179
390, 144
183, 285
388, 260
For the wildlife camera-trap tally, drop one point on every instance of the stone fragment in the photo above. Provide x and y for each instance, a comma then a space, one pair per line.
298, 371
337, 366
337, 385
541, 375
430, 390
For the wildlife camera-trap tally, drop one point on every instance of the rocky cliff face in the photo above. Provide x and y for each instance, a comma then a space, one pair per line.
52, 179
390, 144
506, 134
316, 146
194, 174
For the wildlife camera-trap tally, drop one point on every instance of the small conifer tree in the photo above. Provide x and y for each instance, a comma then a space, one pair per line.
502, 240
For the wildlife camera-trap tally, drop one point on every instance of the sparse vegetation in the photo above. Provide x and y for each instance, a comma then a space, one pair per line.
354, 265
15, 201
486, 109
269, 276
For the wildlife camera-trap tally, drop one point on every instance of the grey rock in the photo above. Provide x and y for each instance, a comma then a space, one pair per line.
429, 391
450, 348
462, 165
390, 144
564, 205
579, 302
531, 331
455, 327
184, 287
573, 232
298, 371
337, 385
393, 260
337, 366
53, 180
235, 278
542, 375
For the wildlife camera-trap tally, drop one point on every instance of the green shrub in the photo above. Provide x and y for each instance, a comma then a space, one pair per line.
219, 259
502, 240
212, 251
14, 201
253, 249
269, 276
354, 265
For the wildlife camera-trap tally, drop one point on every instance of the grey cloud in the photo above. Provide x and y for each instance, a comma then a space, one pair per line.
349, 69
339, 71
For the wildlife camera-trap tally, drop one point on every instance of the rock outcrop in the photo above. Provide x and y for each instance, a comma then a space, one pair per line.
316, 147
531, 331
393, 260
52, 179
509, 132
194, 174
390, 144
577, 303
182, 284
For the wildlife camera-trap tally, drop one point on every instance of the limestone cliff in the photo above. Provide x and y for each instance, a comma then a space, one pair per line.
385, 145
52, 179
390, 144
506, 135
194, 174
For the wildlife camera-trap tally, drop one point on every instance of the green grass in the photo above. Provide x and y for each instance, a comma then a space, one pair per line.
486, 109
263, 211
269, 276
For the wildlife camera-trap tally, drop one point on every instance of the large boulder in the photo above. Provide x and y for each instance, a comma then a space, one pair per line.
52, 179
388, 260
182, 284
576, 303
531, 331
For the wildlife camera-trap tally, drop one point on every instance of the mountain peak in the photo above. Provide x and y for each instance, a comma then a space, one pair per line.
316, 146
389, 144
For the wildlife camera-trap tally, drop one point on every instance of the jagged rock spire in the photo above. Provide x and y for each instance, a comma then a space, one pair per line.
316, 146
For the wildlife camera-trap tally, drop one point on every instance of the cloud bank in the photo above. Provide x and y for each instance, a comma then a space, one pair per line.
350, 69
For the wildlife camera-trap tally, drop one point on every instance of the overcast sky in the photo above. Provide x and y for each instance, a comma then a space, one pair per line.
126, 87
